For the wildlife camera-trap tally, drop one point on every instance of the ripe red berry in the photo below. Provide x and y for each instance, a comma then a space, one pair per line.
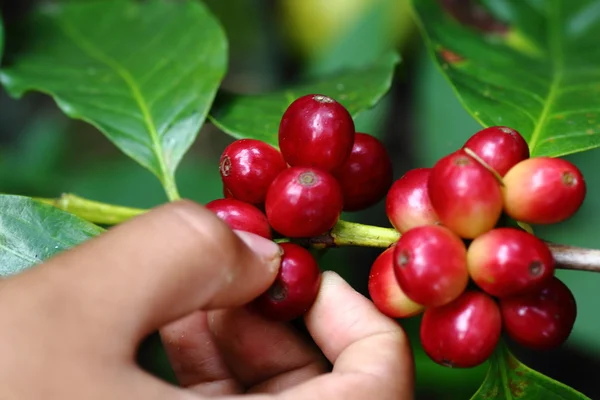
241, 216
295, 288
465, 195
509, 261
407, 203
430, 263
385, 292
542, 319
247, 168
367, 174
543, 190
500, 147
316, 131
303, 202
463, 333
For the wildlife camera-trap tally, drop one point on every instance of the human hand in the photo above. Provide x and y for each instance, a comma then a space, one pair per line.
71, 326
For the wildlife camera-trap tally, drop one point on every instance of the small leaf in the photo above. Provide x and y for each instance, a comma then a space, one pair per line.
31, 232
508, 378
531, 65
144, 73
258, 116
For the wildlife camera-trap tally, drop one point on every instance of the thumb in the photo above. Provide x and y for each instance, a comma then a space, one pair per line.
156, 268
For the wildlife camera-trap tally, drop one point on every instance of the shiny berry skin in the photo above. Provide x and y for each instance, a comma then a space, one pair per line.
241, 216
407, 203
543, 190
316, 131
465, 195
367, 174
295, 288
463, 333
303, 202
542, 319
500, 147
247, 168
430, 263
508, 261
385, 292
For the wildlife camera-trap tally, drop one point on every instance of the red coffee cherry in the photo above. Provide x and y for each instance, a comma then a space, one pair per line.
247, 168
295, 288
430, 263
465, 195
385, 292
407, 203
304, 202
543, 190
367, 174
509, 261
316, 131
241, 216
463, 333
542, 319
500, 147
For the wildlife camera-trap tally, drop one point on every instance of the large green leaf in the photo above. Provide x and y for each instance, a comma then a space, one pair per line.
31, 232
533, 65
258, 116
508, 378
144, 73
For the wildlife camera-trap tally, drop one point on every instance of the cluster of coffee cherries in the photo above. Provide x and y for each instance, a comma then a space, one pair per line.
299, 190
466, 258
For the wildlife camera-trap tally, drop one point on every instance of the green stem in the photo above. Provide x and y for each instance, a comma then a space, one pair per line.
344, 233
93, 211
171, 188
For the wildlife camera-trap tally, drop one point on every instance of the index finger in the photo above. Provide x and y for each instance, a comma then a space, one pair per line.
371, 353
154, 269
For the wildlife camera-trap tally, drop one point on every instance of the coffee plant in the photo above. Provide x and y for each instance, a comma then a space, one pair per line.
461, 252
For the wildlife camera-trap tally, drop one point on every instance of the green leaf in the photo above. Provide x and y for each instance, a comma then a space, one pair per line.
258, 116
531, 65
144, 73
508, 378
31, 232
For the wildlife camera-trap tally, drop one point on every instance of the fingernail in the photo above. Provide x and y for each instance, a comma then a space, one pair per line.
267, 249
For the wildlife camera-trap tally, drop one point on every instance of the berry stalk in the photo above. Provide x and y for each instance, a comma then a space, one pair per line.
344, 233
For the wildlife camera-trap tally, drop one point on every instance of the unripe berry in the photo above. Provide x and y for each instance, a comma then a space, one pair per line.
543, 190
463, 333
247, 168
465, 195
303, 202
367, 174
500, 147
295, 288
542, 319
316, 131
407, 203
241, 216
509, 261
385, 291
430, 263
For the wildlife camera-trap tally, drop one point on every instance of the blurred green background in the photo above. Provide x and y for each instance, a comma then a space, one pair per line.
274, 43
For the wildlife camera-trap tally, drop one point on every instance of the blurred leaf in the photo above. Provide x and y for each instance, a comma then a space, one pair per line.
531, 65
31, 232
508, 378
145, 74
258, 116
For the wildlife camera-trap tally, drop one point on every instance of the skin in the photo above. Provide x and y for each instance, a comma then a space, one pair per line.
71, 326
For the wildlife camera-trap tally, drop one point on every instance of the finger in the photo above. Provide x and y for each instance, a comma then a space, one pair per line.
194, 356
264, 355
156, 268
371, 353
